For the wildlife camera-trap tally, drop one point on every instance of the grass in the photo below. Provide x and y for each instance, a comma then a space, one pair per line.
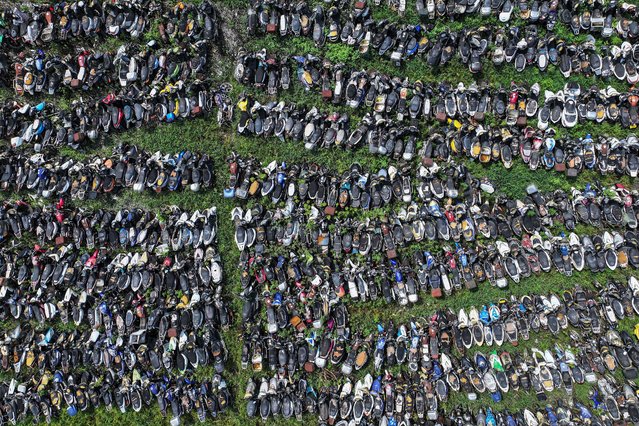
219, 142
